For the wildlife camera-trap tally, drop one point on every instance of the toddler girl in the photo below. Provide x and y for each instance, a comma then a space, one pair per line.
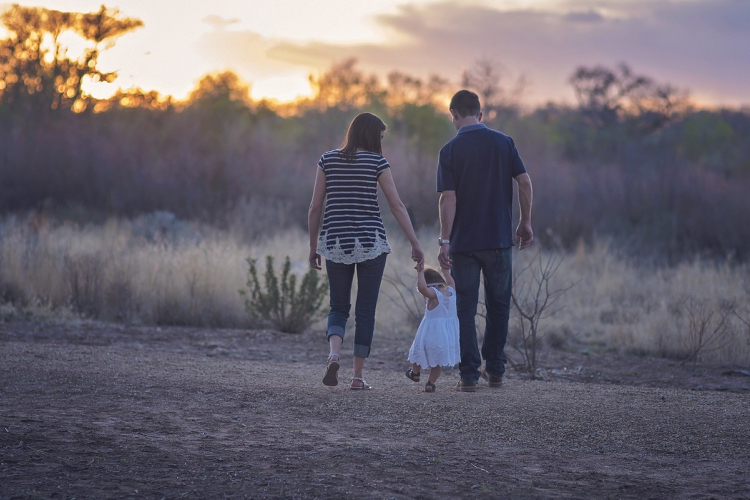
436, 342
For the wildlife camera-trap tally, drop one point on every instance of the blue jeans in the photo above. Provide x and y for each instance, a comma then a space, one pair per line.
496, 266
340, 277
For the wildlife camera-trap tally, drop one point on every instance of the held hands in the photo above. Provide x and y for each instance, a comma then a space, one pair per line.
444, 257
419, 267
314, 259
417, 255
524, 235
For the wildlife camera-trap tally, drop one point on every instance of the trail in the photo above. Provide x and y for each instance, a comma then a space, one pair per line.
139, 421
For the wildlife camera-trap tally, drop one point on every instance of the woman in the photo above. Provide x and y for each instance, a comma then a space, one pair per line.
352, 237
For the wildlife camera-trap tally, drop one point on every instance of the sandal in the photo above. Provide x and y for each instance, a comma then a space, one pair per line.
411, 375
429, 387
331, 377
364, 387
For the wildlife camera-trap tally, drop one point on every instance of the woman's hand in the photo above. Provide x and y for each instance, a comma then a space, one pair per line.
417, 255
314, 259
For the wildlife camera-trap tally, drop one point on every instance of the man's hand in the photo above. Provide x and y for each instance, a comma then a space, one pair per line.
444, 257
314, 259
524, 235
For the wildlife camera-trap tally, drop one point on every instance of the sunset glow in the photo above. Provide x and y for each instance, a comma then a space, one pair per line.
275, 45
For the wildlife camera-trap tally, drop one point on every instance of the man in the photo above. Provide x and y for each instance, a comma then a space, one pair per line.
475, 173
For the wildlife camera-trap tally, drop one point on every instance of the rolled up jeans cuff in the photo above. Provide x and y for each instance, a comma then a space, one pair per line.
335, 330
361, 351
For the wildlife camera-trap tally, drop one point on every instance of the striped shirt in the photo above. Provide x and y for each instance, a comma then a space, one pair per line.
352, 229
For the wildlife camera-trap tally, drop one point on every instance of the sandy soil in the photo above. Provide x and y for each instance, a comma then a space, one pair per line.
101, 411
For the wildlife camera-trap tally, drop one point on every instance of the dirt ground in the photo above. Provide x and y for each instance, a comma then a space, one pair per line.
104, 411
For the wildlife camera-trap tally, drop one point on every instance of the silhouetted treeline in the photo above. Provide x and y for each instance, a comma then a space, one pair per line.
632, 160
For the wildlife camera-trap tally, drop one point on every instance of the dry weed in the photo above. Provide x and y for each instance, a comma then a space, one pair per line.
190, 276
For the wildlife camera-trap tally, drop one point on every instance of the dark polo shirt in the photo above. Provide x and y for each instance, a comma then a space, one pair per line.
479, 164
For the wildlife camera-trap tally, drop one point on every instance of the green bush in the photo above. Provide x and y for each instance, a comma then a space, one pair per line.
280, 303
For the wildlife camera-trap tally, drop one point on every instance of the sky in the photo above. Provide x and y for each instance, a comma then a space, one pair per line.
702, 46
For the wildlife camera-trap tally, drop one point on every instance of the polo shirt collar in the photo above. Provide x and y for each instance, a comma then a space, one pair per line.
469, 128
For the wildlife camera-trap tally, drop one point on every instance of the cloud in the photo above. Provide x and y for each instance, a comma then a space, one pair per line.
244, 51
219, 22
703, 46
589, 16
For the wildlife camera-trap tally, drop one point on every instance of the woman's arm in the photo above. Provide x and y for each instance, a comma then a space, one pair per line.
398, 209
313, 218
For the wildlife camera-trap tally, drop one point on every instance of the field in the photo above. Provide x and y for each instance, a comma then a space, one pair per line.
130, 368
158, 270
93, 410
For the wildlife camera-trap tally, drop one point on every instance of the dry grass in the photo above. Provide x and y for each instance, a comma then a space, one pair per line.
627, 307
162, 271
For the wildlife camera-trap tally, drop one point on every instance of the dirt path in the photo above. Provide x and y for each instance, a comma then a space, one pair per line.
99, 412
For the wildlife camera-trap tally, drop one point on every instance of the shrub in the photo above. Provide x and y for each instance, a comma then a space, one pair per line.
284, 306
85, 275
535, 299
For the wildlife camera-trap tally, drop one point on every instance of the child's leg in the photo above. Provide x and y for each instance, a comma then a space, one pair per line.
413, 372
434, 374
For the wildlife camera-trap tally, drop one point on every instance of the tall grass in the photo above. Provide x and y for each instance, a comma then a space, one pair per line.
160, 270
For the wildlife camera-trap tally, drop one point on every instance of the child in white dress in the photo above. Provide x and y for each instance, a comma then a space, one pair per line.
436, 342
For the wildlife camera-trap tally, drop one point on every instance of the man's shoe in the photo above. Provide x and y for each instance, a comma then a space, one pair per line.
492, 381
466, 386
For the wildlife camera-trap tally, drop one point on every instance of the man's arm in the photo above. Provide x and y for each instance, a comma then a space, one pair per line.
447, 215
524, 233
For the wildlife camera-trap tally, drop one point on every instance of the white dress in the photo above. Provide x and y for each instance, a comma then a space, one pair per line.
436, 341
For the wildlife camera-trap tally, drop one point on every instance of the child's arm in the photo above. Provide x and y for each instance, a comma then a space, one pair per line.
428, 292
448, 278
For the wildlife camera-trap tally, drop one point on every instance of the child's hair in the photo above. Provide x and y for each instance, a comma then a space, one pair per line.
432, 277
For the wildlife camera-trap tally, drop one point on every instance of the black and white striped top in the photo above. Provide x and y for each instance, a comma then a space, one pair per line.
352, 230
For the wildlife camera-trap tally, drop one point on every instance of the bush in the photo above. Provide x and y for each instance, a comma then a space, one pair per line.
85, 275
281, 304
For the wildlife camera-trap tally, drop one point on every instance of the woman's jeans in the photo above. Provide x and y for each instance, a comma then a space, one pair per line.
496, 266
340, 277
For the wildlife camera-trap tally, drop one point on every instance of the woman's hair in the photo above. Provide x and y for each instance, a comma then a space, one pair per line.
431, 276
364, 133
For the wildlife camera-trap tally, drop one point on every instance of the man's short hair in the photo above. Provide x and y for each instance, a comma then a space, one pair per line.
465, 103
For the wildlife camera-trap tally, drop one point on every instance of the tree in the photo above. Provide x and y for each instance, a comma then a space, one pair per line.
487, 78
36, 71
403, 89
346, 87
606, 96
135, 98
222, 90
